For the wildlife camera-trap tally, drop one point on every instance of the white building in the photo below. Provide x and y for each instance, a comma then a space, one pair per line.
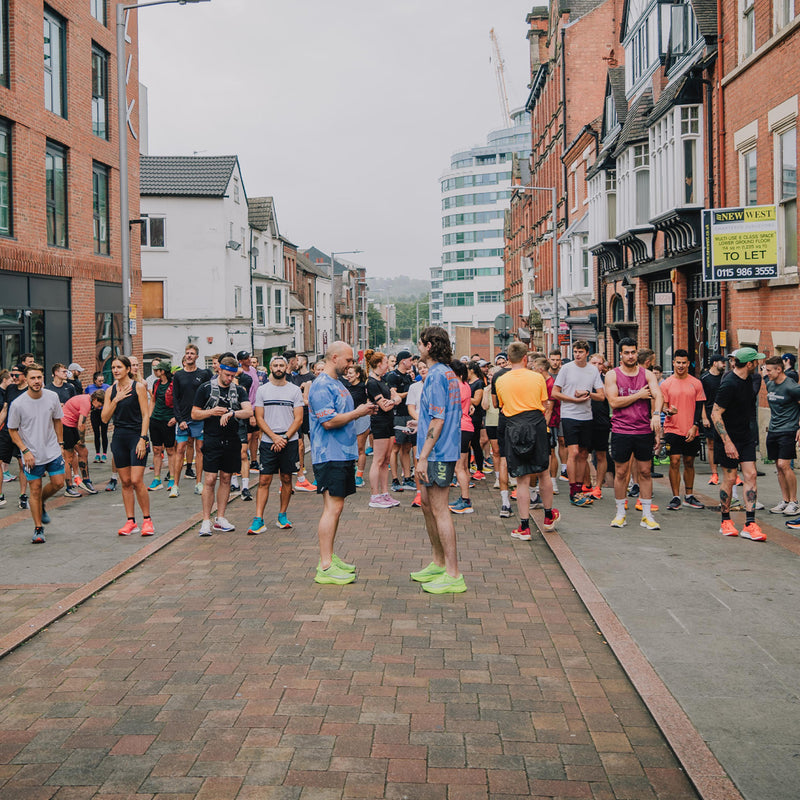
318, 294
468, 287
197, 282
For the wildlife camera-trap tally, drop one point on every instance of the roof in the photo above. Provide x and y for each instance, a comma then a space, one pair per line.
187, 176
616, 80
636, 123
319, 257
686, 90
306, 265
260, 212
577, 8
705, 12
294, 303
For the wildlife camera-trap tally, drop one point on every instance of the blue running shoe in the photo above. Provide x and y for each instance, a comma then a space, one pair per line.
283, 521
359, 481
257, 527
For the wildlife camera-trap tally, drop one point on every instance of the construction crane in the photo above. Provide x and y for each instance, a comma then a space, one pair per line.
500, 75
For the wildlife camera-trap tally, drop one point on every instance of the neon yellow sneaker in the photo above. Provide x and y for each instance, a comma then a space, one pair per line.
333, 575
650, 524
444, 584
618, 522
431, 572
342, 565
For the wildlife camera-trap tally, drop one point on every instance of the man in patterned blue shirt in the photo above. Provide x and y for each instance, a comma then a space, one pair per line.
439, 448
334, 452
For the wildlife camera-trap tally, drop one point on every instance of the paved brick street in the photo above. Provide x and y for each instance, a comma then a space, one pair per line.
218, 669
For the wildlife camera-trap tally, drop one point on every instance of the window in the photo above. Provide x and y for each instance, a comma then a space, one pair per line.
55, 63
459, 299
152, 299
243, 248
585, 262
153, 229
237, 301
260, 311
278, 307
639, 49
470, 236
683, 31
100, 208
236, 191
641, 168
786, 151
784, 12
98, 10
476, 199
750, 178
747, 28
480, 179
6, 216
3, 42
99, 92
470, 255
56, 194
491, 297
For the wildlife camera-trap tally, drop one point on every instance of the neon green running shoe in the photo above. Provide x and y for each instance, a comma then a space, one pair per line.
430, 572
342, 565
333, 575
444, 584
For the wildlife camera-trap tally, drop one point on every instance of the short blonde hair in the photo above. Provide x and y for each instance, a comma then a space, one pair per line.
516, 352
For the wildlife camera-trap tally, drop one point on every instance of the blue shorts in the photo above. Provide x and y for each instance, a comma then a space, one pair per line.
55, 467
194, 431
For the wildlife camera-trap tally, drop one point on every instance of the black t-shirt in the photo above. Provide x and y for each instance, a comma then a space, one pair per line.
184, 389
710, 388
357, 391
400, 381
791, 373
64, 392
375, 390
498, 374
601, 414
298, 380
477, 411
736, 396
211, 427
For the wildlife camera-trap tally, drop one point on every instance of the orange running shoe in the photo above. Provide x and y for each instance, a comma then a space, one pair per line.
653, 506
478, 476
597, 493
304, 485
739, 480
714, 479
513, 494
147, 527
417, 501
752, 531
728, 528
128, 528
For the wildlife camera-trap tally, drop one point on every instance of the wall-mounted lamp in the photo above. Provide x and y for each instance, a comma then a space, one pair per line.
233, 245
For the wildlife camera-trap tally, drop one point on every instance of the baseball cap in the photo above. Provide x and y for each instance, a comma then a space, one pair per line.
483, 362
73, 367
164, 365
717, 357
242, 354
501, 355
403, 354
790, 357
745, 354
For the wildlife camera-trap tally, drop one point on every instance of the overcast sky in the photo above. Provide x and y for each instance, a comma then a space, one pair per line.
346, 111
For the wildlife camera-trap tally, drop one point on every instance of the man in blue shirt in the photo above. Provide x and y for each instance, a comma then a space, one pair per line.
334, 452
438, 448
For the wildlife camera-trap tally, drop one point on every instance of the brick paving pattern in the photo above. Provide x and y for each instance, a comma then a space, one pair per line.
218, 669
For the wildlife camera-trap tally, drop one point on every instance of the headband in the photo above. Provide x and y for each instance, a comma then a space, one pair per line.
228, 369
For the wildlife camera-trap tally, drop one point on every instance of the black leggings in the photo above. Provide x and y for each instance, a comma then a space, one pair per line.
100, 430
477, 450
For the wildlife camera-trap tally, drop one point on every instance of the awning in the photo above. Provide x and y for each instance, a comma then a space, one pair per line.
580, 226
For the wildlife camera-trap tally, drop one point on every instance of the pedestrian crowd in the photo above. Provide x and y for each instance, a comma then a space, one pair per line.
431, 423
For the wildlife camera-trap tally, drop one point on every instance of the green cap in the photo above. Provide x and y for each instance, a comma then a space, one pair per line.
745, 354
165, 365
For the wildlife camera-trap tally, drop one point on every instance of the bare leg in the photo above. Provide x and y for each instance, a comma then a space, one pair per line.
675, 475
524, 496
328, 525
688, 474
142, 495
209, 482
462, 474
441, 531
262, 495
286, 492
223, 493
127, 491
749, 480
727, 480
35, 502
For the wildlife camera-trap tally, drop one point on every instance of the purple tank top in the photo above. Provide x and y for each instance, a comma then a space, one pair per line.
634, 418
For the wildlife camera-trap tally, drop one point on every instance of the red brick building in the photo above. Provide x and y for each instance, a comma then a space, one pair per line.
60, 287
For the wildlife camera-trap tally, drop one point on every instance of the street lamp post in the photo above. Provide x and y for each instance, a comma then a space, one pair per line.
553, 192
333, 304
122, 124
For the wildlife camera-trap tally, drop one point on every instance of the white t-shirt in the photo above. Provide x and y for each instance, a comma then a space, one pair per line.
33, 418
571, 380
278, 403
414, 394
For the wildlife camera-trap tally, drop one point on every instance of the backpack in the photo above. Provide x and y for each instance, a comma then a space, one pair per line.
214, 398
167, 397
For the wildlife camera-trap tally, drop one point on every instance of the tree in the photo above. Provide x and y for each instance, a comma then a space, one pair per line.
377, 327
406, 319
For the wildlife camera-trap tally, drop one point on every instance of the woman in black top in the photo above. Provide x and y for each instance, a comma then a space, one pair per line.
356, 382
127, 404
476, 385
382, 426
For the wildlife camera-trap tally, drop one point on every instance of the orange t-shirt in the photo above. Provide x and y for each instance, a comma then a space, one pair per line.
682, 393
521, 390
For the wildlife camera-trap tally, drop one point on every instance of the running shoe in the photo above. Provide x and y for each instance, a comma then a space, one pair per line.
792, 509
391, 501
736, 505
454, 483
368, 451
170, 483
380, 501
359, 481
549, 527
23, 501
496, 483
478, 476
563, 474
417, 501
618, 522
189, 471
397, 486
2, 500
205, 528
111, 486
462, 506
513, 494
555, 486
45, 515
650, 524
410, 483
71, 491
653, 506
739, 481
429, 573
254, 466
586, 488
597, 493
97, 459
148, 529
304, 485
174, 491
246, 495
691, 501
656, 474
7, 476
222, 524
505, 511
581, 500
256, 527
714, 479
727, 528
104, 458
38, 536
779, 509
753, 531
536, 502
342, 565
444, 584
759, 506
523, 534
283, 521
794, 524
88, 486
198, 488
634, 490
155, 485
235, 483
128, 528
673, 504
334, 575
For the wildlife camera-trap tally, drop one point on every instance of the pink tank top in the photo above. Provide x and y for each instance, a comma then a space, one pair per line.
634, 418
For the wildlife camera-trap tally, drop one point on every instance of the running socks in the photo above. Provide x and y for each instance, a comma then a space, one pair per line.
620, 507
750, 516
574, 488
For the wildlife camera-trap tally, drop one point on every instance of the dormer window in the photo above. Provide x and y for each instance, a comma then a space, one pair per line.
683, 31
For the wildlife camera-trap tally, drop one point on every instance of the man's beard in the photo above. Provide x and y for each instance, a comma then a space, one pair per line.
278, 374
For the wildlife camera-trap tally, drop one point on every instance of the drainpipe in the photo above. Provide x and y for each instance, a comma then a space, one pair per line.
563, 129
252, 315
723, 194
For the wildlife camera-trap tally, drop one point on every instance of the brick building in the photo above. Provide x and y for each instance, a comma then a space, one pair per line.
60, 264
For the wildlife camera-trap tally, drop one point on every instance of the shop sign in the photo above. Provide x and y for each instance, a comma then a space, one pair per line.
663, 299
740, 243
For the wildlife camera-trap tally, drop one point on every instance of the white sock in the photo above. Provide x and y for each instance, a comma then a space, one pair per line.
647, 511
504, 499
620, 507
554, 481
245, 483
114, 476
735, 492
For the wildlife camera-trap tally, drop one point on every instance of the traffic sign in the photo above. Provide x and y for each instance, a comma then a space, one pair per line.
503, 323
